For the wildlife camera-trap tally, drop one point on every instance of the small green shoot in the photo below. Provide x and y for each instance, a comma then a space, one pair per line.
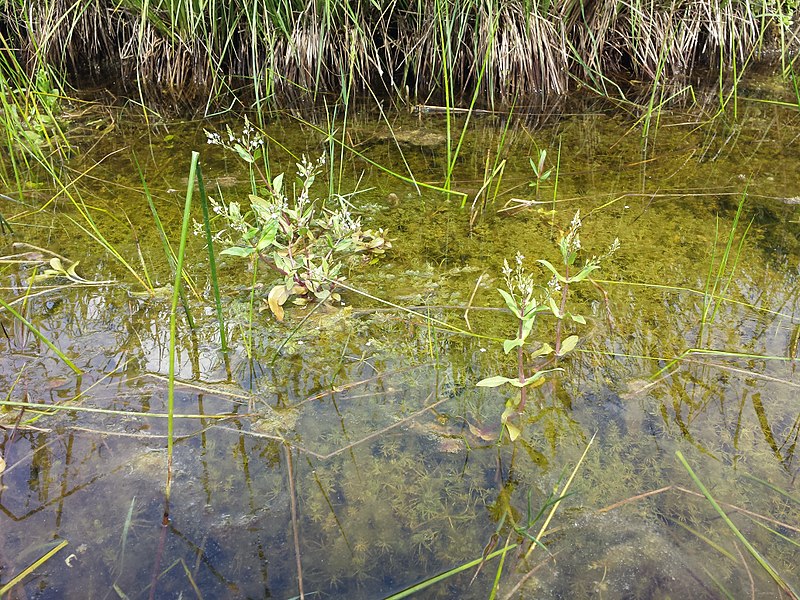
540, 172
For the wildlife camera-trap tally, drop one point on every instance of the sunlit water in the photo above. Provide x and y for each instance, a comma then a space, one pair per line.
355, 445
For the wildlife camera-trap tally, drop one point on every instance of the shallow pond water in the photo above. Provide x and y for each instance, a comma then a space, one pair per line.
347, 452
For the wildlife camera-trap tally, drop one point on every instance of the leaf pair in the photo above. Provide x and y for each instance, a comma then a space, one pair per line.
536, 379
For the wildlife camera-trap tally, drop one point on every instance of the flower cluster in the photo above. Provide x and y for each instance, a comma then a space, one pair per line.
519, 282
305, 240
245, 145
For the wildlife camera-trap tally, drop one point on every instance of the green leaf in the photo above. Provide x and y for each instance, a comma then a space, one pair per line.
543, 350
509, 345
510, 302
492, 382
535, 380
585, 272
539, 375
578, 319
283, 263
554, 308
244, 154
552, 269
238, 251
268, 235
509, 412
533, 310
569, 345
277, 184
527, 325
513, 431
261, 207
250, 234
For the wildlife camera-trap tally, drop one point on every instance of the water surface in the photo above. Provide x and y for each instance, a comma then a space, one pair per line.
356, 442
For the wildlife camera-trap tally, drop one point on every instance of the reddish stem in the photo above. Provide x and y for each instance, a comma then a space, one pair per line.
523, 391
562, 308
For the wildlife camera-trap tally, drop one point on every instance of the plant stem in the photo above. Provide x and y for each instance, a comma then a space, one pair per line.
561, 309
523, 391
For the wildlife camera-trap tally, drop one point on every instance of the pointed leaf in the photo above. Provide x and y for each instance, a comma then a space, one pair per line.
569, 345
585, 272
552, 269
542, 158
71, 271
261, 208
513, 431
554, 308
520, 384
509, 345
527, 326
510, 302
533, 310
238, 251
492, 382
578, 319
244, 154
543, 350
277, 184
510, 409
534, 383
268, 235
543, 372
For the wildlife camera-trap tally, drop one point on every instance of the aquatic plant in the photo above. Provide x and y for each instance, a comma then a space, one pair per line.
30, 115
305, 240
540, 172
526, 300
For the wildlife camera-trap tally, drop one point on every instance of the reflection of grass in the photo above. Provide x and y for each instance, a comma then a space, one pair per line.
715, 285
35, 331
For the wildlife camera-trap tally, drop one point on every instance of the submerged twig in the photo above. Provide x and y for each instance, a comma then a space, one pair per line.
471, 298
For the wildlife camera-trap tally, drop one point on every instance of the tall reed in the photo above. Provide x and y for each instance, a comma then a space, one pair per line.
206, 54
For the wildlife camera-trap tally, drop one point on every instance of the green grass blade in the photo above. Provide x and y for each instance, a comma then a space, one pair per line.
447, 574
212, 261
753, 552
32, 567
187, 211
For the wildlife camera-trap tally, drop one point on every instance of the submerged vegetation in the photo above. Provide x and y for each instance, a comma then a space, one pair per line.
324, 378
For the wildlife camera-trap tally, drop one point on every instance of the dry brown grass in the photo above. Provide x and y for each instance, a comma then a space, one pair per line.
283, 49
